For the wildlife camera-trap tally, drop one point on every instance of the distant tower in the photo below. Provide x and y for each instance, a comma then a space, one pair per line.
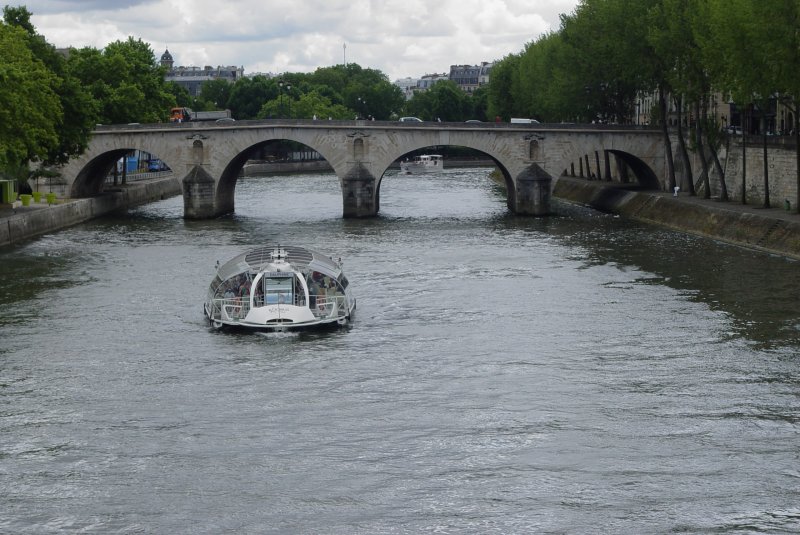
166, 60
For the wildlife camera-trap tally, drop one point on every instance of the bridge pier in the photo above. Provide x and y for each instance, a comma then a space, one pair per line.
359, 193
533, 187
200, 200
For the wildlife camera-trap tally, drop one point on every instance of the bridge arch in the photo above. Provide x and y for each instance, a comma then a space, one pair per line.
398, 153
644, 173
232, 170
605, 158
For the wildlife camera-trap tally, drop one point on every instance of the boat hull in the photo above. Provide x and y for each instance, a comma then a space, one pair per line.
425, 164
269, 325
419, 169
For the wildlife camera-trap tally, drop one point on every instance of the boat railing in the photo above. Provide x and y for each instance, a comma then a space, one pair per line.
330, 306
229, 308
235, 308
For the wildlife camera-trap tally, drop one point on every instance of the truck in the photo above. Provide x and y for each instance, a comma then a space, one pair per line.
182, 114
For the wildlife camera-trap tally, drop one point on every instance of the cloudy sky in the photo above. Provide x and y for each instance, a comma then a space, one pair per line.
399, 37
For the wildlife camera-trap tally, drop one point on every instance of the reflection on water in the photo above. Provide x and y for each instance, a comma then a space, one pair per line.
573, 374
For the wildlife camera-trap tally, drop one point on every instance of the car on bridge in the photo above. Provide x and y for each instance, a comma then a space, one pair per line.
156, 165
410, 120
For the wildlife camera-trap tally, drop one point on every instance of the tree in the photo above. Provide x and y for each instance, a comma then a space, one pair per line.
126, 81
214, 95
609, 56
181, 94
447, 101
747, 68
78, 108
777, 56
30, 110
420, 105
476, 104
248, 95
501, 96
307, 106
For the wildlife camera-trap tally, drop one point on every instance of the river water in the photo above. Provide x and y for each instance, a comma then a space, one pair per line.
574, 374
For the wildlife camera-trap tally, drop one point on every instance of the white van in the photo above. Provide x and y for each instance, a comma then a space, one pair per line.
518, 120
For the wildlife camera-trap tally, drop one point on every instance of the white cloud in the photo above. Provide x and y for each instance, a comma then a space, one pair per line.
399, 37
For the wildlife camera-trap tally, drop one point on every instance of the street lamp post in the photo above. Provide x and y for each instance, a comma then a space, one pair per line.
289, 99
280, 99
362, 107
588, 118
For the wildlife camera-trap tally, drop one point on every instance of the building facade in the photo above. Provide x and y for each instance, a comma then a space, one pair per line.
193, 78
467, 77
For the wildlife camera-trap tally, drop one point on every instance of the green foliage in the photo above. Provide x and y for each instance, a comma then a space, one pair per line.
78, 109
306, 106
181, 94
340, 92
125, 80
476, 104
501, 90
30, 109
214, 95
248, 95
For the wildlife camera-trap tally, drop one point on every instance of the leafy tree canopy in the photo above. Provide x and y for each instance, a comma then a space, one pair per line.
126, 81
76, 120
30, 110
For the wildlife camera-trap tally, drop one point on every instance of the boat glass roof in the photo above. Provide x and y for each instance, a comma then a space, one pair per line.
255, 260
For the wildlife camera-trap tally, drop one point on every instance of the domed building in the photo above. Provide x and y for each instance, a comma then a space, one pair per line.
166, 60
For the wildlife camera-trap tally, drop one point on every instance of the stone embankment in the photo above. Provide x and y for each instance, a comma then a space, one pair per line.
25, 222
771, 230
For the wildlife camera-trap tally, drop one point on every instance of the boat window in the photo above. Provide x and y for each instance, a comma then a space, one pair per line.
279, 290
238, 286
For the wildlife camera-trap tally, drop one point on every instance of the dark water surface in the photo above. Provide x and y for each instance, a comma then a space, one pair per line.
574, 374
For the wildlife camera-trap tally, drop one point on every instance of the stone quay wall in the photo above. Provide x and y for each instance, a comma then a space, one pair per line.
30, 221
781, 165
771, 231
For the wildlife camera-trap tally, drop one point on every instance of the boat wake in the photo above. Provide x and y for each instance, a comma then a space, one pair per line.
278, 334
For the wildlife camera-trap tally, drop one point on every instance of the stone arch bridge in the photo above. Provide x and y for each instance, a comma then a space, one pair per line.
208, 157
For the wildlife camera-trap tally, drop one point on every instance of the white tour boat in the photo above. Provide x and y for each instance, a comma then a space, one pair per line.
425, 163
279, 288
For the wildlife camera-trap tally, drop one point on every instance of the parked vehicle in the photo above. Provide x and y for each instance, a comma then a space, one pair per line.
156, 165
